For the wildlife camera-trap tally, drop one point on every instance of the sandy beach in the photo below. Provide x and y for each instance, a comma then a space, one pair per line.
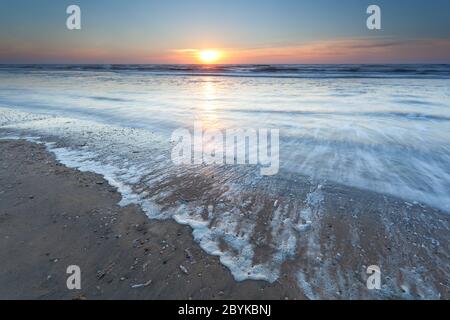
52, 216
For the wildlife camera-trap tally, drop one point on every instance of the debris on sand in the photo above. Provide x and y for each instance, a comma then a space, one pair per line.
183, 268
189, 255
141, 285
102, 273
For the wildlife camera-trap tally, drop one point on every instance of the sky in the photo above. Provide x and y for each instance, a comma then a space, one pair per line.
243, 31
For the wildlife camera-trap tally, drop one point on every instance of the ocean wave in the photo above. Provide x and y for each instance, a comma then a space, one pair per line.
406, 115
256, 70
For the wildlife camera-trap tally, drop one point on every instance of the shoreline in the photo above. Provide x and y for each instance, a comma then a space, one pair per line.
126, 255
52, 216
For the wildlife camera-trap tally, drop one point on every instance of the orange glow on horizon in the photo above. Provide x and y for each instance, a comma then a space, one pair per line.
352, 50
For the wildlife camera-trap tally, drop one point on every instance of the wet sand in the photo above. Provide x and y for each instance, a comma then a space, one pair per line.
52, 216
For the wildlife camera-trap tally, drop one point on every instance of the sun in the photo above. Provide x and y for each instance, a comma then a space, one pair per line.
209, 56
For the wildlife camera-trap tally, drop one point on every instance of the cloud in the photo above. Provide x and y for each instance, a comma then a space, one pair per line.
356, 50
347, 50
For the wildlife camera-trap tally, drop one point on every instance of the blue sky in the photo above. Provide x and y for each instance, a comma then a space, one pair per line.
270, 31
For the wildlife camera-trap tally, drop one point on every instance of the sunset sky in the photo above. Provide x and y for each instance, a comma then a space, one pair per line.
243, 31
